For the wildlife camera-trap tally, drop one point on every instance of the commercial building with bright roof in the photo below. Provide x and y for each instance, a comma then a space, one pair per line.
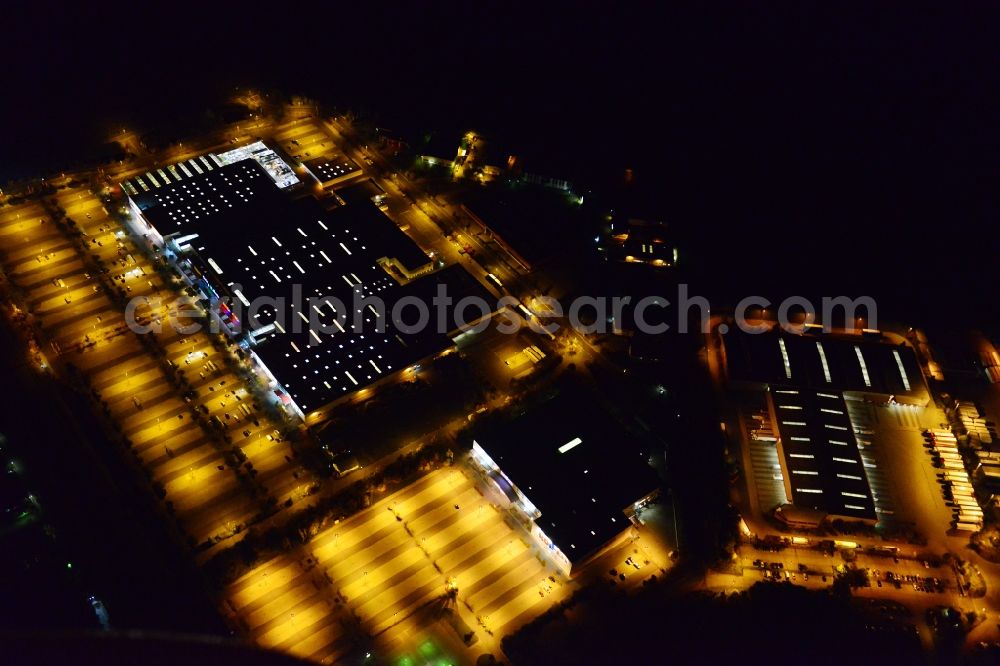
309, 292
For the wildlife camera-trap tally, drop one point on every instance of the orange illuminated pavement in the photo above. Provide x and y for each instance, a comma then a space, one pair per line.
212, 500
392, 561
374, 574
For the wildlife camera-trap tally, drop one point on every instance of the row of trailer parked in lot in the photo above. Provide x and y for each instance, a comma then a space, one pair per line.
973, 423
956, 485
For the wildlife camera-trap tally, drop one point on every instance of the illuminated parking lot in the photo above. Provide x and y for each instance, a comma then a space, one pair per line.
212, 500
372, 575
392, 562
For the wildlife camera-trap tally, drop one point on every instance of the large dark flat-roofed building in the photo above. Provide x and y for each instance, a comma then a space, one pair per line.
809, 380
822, 465
850, 363
203, 181
320, 368
570, 469
220, 196
333, 170
297, 275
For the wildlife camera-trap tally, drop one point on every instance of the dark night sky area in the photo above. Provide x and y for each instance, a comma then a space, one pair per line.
838, 149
